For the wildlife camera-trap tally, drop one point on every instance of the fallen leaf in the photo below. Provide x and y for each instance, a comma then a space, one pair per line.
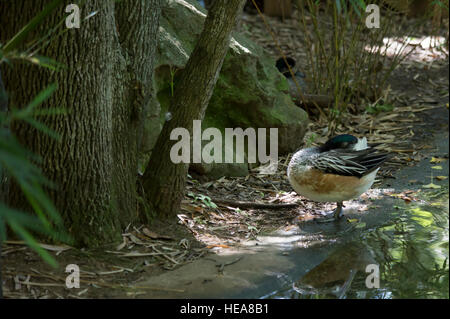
403, 196
154, 235
407, 199
56, 248
135, 240
436, 167
191, 208
123, 244
218, 245
441, 178
431, 185
437, 160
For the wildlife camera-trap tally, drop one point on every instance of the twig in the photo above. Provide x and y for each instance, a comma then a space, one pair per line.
102, 284
240, 204
166, 256
222, 266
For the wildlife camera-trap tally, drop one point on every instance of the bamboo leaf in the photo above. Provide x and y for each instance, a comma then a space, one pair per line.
41, 97
30, 26
28, 238
431, 185
338, 6
45, 62
42, 127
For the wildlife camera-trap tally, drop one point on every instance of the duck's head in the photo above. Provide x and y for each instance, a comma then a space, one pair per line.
282, 66
344, 141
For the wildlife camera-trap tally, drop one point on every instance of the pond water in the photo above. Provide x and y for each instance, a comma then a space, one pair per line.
408, 245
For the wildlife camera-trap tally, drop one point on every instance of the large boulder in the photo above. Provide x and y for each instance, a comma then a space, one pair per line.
250, 91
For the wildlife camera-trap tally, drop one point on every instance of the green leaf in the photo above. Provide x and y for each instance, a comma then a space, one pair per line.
357, 5
2, 228
38, 199
41, 97
338, 6
51, 111
28, 238
30, 26
45, 62
375, 109
26, 220
42, 127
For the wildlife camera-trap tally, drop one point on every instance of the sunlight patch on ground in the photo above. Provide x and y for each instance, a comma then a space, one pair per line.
425, 49
280, 241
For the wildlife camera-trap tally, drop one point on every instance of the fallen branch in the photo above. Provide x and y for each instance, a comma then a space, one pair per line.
222, 266
240, 204
322, 101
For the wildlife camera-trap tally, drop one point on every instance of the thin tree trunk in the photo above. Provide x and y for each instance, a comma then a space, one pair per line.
164, 181
3, 109
109, 63
1, 267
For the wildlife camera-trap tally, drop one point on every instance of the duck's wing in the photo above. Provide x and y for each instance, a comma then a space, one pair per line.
349, 162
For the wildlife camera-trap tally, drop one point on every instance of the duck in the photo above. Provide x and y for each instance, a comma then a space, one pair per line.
282, 66
341, 169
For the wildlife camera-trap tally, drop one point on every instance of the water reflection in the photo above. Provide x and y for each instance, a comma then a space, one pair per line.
411, 250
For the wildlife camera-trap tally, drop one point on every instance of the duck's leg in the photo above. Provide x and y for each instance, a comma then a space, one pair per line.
338, 211
337, 214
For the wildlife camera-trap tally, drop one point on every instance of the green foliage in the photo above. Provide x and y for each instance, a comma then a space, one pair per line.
378, 108
442, 4
12, 50
16, 162
357, 5
30, 26
206, 200
405, 249
173, 70
311, 139
346, 61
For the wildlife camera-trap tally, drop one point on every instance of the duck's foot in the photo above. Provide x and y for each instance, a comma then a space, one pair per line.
337, 214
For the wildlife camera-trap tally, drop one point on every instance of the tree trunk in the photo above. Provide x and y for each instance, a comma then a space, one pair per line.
104, 88
164, 181
3, 109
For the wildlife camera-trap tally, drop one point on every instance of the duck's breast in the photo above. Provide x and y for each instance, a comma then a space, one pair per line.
323, 187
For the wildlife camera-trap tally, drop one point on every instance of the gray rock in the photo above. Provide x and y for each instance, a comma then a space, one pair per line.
250, 91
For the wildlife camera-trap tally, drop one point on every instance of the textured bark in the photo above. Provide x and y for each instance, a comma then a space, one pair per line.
3, 111
164, 181
138, 23
109, 64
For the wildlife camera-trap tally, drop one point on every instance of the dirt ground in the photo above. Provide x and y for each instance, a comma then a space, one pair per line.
221, 213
